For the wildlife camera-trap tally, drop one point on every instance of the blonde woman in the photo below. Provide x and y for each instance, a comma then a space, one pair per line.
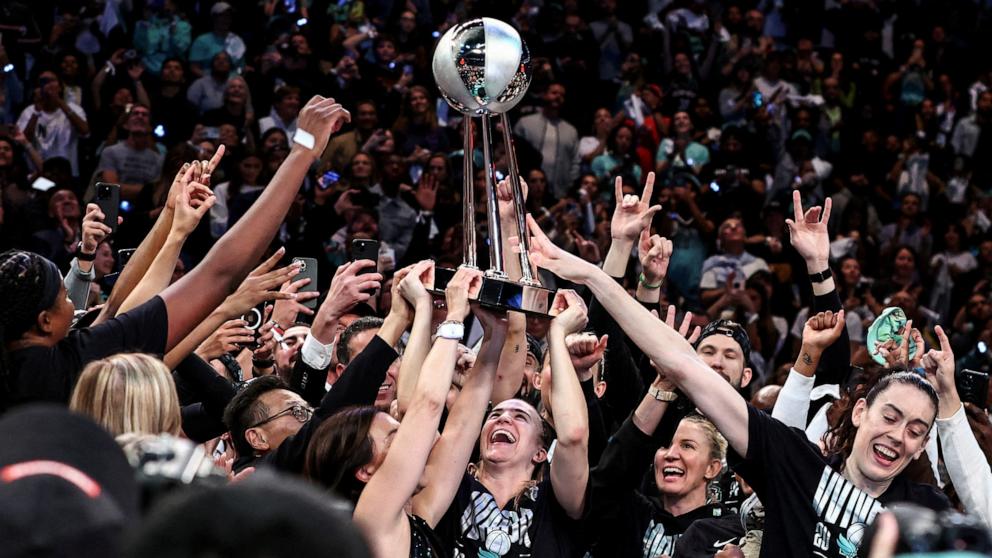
129, 393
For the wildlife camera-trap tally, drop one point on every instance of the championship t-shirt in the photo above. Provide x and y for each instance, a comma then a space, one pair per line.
532, 525
811, 509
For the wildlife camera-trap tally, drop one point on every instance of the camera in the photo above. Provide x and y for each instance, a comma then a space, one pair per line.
164, 464
924, 530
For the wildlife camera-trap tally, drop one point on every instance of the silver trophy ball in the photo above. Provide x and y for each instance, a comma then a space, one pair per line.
482, 67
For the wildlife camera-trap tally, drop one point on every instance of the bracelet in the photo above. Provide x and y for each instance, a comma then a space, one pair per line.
645, 284
666, 396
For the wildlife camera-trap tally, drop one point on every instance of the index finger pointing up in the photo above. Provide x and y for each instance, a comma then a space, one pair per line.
618, 190
797, 206
945, 345
648, 189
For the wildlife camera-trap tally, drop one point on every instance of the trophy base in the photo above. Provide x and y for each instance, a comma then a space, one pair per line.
502, 294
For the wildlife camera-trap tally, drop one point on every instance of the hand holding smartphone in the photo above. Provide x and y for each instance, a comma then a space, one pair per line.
308, 270
364, 249
108, 199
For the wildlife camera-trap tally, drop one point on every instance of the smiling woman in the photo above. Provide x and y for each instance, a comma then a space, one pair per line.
631, 523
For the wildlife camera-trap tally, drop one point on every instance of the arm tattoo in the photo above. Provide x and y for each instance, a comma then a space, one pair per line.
807, 360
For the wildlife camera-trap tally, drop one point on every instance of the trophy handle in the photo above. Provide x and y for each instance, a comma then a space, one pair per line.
519, 211
468, 197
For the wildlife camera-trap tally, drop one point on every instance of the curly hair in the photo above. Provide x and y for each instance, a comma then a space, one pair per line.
839, 438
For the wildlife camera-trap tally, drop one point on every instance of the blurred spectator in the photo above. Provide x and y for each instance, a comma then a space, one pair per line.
135, 162
53, 124
221, 39
161, 35
556, 140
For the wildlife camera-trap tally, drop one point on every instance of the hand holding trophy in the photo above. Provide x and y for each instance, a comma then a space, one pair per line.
482, 68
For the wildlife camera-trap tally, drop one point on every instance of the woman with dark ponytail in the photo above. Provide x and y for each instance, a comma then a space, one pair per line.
42, 359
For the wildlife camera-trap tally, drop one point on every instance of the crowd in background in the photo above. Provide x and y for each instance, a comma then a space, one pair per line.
731, 116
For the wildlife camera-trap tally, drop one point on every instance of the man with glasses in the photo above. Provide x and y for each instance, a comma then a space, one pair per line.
134, 162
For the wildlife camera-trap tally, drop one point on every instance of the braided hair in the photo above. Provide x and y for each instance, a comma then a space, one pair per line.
22, 286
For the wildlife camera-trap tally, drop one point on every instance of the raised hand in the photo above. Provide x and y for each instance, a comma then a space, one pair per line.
287, 310
808, 233
193, 203
632, 214
939, 367
258, 286
655, 253
823, 330
321, 117
463, 285
897, 354
545, 254
412, 286
569, 312
229, 337
504, 198
585, 351
426, 192
348, 288
686, 324
587, 249
93, 229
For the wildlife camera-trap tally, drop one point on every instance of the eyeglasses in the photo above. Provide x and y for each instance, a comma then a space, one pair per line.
301, 413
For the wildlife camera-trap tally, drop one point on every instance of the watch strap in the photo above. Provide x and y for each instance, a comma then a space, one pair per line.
661, 395
79, 255
304, 138
451, 330
821, 276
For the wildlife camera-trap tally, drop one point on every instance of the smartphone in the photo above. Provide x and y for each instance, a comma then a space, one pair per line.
124, 256
362, 249
253, 321
308, 270
108, 198
757, 99
973, 387
328, 179
211, 133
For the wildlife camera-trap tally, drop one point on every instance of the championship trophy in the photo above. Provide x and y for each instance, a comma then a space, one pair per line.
482, 68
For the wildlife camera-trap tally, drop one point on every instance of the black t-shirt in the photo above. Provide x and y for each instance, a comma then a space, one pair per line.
706, 537
40, 373
626, 521
538, 526
424, 542
811, 509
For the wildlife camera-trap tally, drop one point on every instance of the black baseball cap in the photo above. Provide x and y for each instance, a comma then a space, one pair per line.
66, 488
731, 329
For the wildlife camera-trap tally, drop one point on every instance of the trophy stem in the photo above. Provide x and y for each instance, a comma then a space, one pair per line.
519, 207
492, 205
468, 194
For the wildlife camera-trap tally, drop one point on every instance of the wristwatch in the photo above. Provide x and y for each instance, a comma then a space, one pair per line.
821, 276
660, 395
304, 138
451, 330
81, 256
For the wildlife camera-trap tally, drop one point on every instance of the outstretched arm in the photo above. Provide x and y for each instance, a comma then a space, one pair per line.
716, 398
192, 204
570, 467
256, 288
380, 511
452, 452
418, 302
191, 298
151, 244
